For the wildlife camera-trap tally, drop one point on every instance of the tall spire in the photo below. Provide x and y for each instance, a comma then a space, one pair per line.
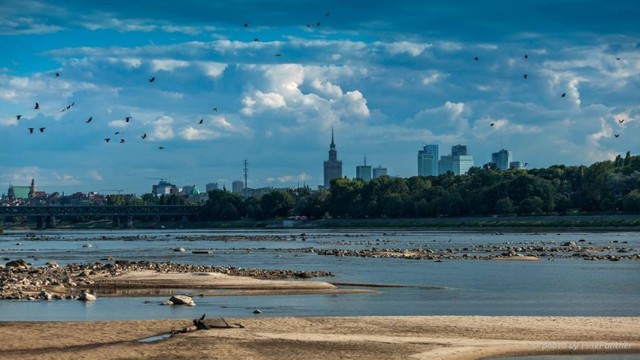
332, 143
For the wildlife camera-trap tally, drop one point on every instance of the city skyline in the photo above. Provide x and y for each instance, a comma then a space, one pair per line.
241, 80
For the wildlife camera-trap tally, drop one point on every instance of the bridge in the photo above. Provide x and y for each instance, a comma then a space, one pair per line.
46, 215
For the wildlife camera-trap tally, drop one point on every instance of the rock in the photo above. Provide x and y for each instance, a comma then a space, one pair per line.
179, 249
256, 311
182, 300
44, 295
17, 264
168, 303
570, 244
87, 245
85, 296
52, 264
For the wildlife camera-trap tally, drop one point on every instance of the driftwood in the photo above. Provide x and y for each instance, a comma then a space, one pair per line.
201, 325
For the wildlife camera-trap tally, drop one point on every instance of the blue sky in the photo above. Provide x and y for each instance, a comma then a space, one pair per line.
387, 76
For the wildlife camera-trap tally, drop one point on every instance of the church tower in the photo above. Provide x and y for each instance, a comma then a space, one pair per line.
333, 166
32, 189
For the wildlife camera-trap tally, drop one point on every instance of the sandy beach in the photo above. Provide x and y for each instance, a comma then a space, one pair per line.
419, 337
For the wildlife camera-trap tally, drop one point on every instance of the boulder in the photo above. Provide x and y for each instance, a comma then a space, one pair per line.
85, 296
179, 249
182, 300
17, 264
570, 244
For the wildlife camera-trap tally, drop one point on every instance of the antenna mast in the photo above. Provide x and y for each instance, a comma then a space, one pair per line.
245, 177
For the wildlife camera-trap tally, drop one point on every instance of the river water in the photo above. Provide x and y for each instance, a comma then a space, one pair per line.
558, 287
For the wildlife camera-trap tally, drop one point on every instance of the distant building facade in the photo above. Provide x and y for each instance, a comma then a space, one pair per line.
459, 162
379, 172
333, 166
516, 165
363, 172
502, 159
237, 187
428, 161
211, 186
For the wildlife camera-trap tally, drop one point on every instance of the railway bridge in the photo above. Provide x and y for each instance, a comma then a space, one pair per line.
122, 215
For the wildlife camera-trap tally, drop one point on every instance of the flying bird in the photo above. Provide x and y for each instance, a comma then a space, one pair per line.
152, 79
143, 136
121, 141
564, 94
127, 118
42, 129
278, 54
526, 56
107, 139
256, 39
215, 109
525, 76
18, 117
476, 58
161, 147
37, 107
493, 124
620, 121
246, 25
30, 130
617, 58
201, 121
317, 24
89, 119
57, 74
116, 133
525, 164
617, 135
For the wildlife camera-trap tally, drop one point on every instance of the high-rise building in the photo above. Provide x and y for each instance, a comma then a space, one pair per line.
446, 164
459, 162
502, 159
363, 172
379, 171
459, 150
237, 187
428, 161
333, 166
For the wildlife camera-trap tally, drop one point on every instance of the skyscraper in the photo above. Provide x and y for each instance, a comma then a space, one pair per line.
363, 172
502, 159
459, 162
333, 166
379, 171
428, 161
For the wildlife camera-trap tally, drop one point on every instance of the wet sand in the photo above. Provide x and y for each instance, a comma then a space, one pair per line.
419, 337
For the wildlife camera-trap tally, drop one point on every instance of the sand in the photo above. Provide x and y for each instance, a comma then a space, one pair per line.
414, 337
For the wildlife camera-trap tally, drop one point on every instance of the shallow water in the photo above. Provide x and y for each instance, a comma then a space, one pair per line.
563, 287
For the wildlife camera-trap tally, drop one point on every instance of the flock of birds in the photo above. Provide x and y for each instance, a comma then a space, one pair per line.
152, 79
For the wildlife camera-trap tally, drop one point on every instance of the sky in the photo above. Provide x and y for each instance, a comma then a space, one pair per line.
269, 80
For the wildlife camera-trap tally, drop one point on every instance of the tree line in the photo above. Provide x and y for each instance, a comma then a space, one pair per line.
603, 187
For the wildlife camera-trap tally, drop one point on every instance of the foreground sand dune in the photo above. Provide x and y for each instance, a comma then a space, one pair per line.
419, 337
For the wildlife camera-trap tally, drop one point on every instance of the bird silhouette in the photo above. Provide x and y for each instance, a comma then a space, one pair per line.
326, 14
31, 130
476, 58
127, 118
18, 117
525, 76
107, 139
201, 121
161, 147
563, 94
57, 74
526, 56
256, 39
492, 124
116, 133
37, 107
617, 58
525, 164
152, 79
246, 25
215, 109
620, 121
89, 119
617, 135
122, 141
143, 136
278, 54
317, 24
42, 129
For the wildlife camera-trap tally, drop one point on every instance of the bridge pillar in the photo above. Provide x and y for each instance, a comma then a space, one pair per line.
115, 221
129, 223
40, 221
51, 222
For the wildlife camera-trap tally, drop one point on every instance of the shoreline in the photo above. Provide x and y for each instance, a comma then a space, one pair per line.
391, 337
